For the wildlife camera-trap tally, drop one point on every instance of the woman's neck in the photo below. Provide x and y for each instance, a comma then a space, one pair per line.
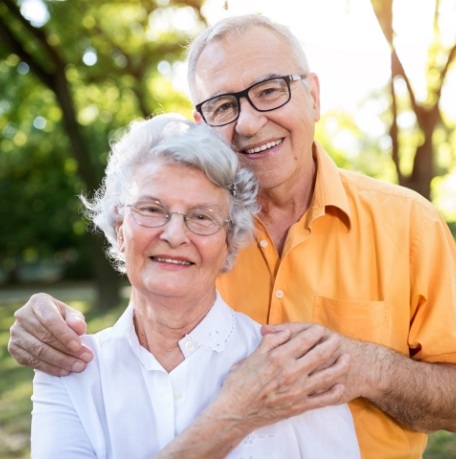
160, 324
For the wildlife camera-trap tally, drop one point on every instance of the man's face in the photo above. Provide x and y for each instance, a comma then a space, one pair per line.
275, 145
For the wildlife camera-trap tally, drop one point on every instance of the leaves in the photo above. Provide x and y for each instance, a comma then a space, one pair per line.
71, 81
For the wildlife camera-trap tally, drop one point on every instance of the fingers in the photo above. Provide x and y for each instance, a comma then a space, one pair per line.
296, 368
44, 318
75, 320
302, 339
293, 327
41, 338
50, 360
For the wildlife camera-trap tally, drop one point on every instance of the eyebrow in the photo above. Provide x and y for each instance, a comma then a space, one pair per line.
204, 205
258, 80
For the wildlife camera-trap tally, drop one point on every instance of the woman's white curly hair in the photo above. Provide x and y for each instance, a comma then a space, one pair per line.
173, 139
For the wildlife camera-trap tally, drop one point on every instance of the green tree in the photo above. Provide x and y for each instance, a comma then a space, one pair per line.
70, 80
432, 131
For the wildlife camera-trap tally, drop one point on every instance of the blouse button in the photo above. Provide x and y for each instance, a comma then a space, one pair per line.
263, 243
279, 294
189, 345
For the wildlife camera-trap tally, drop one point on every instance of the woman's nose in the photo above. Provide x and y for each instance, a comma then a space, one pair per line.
175, 231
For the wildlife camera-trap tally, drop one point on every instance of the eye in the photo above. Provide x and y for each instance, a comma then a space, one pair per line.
202, 217
269, 90
151, 209
222, 105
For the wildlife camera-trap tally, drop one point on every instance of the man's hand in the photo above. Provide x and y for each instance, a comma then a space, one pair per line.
46, 336
419, 395
364, 367
297, 367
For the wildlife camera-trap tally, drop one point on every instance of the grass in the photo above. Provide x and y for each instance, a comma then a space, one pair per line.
16, 381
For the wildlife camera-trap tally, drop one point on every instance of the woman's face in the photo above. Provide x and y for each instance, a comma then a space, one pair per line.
171, 261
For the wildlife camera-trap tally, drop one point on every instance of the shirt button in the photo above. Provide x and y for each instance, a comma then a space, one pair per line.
279, 294
263, 243
177, 395
189, 345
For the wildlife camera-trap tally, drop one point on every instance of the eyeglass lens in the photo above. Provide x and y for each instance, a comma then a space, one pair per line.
199, 221
264, 96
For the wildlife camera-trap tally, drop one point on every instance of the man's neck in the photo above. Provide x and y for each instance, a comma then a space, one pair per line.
283, 206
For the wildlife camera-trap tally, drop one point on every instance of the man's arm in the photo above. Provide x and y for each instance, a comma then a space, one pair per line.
419, 395
45, 336
292, 371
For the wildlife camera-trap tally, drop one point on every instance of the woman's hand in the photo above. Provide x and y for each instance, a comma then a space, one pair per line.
46, 336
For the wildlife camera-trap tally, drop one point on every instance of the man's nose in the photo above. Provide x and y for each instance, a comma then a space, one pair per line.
250, 120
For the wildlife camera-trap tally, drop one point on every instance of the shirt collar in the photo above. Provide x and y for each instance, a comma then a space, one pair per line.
329, 190
212, 333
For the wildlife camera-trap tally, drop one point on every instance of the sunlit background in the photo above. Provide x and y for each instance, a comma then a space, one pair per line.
348, 51
44, 239
346, 48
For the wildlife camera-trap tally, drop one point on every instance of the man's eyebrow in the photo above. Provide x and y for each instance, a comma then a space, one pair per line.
258, 80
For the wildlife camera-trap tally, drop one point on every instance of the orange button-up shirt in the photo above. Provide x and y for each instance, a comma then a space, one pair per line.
371, 260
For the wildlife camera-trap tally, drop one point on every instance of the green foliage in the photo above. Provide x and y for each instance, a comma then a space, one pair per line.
352, 149
117, 60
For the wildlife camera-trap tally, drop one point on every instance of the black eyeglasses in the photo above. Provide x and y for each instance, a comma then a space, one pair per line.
264, 96
153, 214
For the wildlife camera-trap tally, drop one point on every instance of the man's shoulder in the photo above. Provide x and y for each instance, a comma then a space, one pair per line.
361, 186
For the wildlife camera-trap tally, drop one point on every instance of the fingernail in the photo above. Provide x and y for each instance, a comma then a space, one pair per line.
86, 357
73, 346
78, 366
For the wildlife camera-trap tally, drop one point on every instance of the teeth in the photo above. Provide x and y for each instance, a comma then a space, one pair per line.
174, 262
263, 147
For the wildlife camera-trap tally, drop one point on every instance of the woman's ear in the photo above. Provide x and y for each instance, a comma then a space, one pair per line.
120, 236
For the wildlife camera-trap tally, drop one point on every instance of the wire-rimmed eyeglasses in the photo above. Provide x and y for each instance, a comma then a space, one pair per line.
154, 214
263, 96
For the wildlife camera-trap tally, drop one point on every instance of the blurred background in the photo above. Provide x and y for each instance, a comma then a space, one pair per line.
74, 73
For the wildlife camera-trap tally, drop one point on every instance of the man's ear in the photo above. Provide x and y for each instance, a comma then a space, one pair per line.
314, 88
197, 117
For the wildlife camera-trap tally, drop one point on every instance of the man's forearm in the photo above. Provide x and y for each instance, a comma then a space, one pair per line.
419, 395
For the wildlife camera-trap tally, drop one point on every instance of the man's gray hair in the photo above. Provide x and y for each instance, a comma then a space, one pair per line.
170, 138
237, 25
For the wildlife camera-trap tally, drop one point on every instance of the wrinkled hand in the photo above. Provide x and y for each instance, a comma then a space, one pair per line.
296, 367
46, 336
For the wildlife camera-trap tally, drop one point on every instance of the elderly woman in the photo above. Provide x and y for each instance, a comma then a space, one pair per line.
174, 206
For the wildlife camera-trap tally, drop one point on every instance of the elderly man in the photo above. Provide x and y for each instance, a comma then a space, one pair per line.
371, 265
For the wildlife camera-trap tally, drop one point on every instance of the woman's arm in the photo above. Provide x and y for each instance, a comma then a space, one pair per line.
57, 431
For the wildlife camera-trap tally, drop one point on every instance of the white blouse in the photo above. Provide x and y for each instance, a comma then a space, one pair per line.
126, 406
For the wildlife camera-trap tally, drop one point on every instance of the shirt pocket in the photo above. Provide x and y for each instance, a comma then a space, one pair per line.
363, 320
